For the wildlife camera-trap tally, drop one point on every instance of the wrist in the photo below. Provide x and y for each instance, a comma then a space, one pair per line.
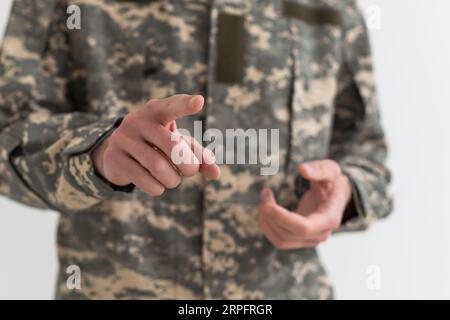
97, 156
350, 211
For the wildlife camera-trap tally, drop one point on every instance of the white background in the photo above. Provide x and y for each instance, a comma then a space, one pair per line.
410, 250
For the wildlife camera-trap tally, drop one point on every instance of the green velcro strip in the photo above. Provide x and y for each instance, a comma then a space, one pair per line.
230, 48
311, 15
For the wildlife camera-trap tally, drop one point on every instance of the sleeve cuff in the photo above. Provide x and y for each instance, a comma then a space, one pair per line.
81, 169
362, 217
11, 182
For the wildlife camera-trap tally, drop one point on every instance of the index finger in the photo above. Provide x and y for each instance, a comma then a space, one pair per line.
174, 107
285, 219
320, 170
310, 225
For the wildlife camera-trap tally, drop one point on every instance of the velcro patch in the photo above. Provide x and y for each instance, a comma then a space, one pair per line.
230, 48
311, 15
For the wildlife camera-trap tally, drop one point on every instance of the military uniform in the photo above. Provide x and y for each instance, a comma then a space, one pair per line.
301, 66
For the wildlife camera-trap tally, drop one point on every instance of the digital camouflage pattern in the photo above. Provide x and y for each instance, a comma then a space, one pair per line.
62, 91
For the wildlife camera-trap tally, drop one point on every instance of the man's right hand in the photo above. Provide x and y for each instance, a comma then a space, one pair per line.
139, 151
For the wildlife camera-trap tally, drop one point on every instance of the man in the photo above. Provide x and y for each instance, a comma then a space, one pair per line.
89, 122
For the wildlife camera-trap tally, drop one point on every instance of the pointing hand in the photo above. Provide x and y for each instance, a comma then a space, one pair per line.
139, 151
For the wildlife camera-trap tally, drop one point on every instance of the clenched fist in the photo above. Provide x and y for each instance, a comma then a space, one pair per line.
319, 211
139, 151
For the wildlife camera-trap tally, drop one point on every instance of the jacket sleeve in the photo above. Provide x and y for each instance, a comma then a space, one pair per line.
44, 141
358, 142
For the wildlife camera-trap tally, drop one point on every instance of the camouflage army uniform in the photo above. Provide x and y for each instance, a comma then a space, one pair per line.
303, 67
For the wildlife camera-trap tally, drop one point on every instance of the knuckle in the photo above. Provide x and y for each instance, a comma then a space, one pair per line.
123, 140
158, 165
151, 108
119, 136
129, 121
112, 155
114, 169
115, 136
151, 103
333, 166
134, 147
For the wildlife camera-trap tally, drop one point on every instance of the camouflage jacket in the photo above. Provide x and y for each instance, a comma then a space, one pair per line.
301, 66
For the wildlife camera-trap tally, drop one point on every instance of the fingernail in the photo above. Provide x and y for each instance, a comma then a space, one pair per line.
308, 169
191, 102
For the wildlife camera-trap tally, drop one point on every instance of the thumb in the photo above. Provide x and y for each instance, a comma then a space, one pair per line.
267, 197
320, 170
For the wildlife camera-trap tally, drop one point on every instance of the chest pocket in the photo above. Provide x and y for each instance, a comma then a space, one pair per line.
316, 35
107, 56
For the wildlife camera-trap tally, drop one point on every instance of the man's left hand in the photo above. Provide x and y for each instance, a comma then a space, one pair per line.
319, 211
